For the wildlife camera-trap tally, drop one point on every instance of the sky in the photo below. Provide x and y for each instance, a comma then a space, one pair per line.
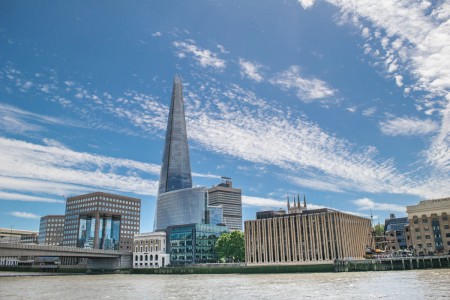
344, 101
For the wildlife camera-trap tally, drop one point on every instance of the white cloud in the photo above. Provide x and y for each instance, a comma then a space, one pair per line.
222, 49
368, 204
204, 57
307, 89
26, 215
407, 126
415, 38
157, 34
19, 159
250, 69
351, 109
369, 111
263, 202
306, 3
26, 198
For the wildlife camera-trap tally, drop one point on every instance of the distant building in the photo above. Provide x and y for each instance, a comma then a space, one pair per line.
193, 243
395, 234
429, 227
101, 221
214, 215
51, 230
9, 235
303, 236
230, 199
149, 250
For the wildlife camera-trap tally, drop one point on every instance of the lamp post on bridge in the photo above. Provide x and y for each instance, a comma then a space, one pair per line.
10, 234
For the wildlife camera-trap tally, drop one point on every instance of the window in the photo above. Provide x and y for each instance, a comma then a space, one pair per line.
418, 237
424, 220
416, 229
428, 237
446, 226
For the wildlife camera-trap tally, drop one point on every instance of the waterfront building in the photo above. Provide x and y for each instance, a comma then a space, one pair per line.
149, 250
51, 229
214, 215
395, 233
17, 236
429, 226
194, 243
177, 202
230, 199
306, 236
101, 221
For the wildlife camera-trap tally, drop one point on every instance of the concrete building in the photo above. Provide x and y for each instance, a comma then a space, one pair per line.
193, 243
149, 250
230, 199
395, 233
51, 230
305, 236
11, 235
101, 221
429, 226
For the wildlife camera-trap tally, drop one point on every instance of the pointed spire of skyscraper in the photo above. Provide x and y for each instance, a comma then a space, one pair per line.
176, 166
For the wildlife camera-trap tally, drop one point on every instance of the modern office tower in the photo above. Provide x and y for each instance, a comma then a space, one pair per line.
178, 203
230, 199
319, 235
214, 215
429, 226
394, 232
51, 230
149, 250
101, 221
193, 243
176, 166
179, 207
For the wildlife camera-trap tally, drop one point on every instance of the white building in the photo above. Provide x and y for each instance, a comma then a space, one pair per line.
149, 250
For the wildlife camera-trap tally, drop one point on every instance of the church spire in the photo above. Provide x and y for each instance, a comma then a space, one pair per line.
304, 201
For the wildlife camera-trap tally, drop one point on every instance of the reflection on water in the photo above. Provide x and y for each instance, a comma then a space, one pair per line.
415, 284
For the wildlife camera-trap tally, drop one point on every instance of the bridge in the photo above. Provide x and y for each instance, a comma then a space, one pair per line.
97, 258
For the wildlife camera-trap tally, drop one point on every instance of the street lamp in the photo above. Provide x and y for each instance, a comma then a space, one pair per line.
10, 235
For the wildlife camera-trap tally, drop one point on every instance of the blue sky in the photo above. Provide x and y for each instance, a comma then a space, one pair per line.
345, 101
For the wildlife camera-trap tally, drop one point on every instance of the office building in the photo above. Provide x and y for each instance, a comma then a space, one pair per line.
395, 234
230, 199
149, 250
101, 221
308, 236
178, 203
194, 243
51, 230
429, 226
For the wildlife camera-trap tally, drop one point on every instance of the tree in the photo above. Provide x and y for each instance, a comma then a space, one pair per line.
231, 246
378, 234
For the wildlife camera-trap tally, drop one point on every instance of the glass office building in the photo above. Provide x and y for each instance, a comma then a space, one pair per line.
214, 215
194, 243
176, 166
108, 232
179, 207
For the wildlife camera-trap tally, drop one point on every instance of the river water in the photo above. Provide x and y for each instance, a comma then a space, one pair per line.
414, 284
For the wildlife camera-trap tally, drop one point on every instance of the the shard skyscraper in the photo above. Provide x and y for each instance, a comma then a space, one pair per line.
176, 166
178, 203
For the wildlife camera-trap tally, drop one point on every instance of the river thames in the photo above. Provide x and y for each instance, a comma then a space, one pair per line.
415, 284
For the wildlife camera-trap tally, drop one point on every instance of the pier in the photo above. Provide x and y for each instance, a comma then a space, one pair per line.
392, 263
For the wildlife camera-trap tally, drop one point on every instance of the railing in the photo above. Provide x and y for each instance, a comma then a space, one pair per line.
60, 249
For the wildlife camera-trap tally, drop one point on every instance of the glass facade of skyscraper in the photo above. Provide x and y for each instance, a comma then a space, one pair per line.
108, 233
176, 166
179, 207
194, 243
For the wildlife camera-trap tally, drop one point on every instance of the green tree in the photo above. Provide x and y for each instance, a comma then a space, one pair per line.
231, 246
378, 235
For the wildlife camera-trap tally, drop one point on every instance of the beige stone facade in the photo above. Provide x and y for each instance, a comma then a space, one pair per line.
313, 236
429, 226
149, 250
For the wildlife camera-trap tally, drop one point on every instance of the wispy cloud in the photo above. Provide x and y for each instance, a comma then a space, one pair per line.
411, 38
307, 89
26, 198
157, 34
407, 126
205, 57
368, 204
19, 159
25, 215
369, 111
250, 70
